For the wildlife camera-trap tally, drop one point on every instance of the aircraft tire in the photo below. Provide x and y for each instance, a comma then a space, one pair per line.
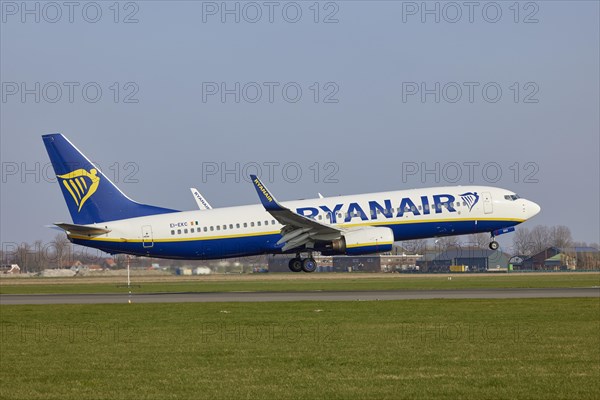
309, 265
295, 265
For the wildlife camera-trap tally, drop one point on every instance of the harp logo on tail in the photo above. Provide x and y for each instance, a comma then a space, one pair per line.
81, 184
471, 198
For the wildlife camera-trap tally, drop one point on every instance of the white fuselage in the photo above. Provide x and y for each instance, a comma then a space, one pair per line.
248, 230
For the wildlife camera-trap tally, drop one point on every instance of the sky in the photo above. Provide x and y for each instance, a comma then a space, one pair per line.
334, 97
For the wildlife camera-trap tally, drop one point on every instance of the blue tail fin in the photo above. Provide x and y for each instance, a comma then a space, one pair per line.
90, 195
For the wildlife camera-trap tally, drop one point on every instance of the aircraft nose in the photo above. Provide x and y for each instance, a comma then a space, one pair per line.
533, 209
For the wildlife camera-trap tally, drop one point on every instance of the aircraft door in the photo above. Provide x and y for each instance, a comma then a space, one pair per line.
147, 240
487, 202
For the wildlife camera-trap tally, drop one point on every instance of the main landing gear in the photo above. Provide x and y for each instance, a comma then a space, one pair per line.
298, 264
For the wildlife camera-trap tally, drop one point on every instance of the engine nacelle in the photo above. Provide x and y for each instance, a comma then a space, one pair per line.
364, 241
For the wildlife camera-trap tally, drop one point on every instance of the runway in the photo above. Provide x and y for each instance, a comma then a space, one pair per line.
245, 297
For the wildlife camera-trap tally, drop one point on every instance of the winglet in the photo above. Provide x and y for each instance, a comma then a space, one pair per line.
201, 201
266, 198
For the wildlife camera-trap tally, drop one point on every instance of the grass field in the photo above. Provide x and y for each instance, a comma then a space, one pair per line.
297, 282
450, 349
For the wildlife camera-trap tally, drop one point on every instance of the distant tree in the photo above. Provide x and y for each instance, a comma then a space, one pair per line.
62, 249
447, 242
416, 246
540, 238
479, 240
560, 236
522, 245
22, 256
36, 261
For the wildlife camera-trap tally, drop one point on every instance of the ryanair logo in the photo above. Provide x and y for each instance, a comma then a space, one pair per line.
471, 198
81, 184
263, 190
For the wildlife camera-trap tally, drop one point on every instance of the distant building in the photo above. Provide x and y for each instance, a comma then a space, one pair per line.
201, 271
561, 259
369, 263
279, 263
475, 258
10, 269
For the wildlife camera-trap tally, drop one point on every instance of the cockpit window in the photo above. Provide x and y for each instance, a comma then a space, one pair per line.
511, 197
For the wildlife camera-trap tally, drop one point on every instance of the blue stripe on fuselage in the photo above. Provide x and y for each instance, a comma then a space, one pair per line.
266, 244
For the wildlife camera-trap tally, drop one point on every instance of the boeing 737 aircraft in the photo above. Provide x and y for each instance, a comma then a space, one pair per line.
106, 219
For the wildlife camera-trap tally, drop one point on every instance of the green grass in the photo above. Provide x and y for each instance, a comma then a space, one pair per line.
449, 349
295, 283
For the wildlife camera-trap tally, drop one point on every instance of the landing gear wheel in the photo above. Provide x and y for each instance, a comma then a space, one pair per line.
295, 264
494, 245
309, 265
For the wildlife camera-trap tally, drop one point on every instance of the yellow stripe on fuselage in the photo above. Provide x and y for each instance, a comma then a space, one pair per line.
240, 235
350, 246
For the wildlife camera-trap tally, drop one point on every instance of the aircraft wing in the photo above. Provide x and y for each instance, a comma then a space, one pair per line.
297, 230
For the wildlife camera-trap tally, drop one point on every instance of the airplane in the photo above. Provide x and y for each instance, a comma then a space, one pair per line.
105, 218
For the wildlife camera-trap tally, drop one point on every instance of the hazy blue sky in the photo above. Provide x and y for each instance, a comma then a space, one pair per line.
365, 122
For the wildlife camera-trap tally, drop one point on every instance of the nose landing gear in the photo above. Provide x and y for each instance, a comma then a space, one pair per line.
493, 244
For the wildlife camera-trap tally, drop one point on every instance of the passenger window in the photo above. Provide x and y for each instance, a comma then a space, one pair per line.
245, 224
272, 222
258, 223
192, 230
266, 223
204, 229
224, 227
172, 232
252, 224
185, 231
212, 228
179, 231
230, 226
237, 226
218, 227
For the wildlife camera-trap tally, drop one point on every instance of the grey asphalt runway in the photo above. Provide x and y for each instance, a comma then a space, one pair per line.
115, 298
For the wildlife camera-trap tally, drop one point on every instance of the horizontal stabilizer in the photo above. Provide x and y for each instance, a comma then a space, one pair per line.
82, 229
